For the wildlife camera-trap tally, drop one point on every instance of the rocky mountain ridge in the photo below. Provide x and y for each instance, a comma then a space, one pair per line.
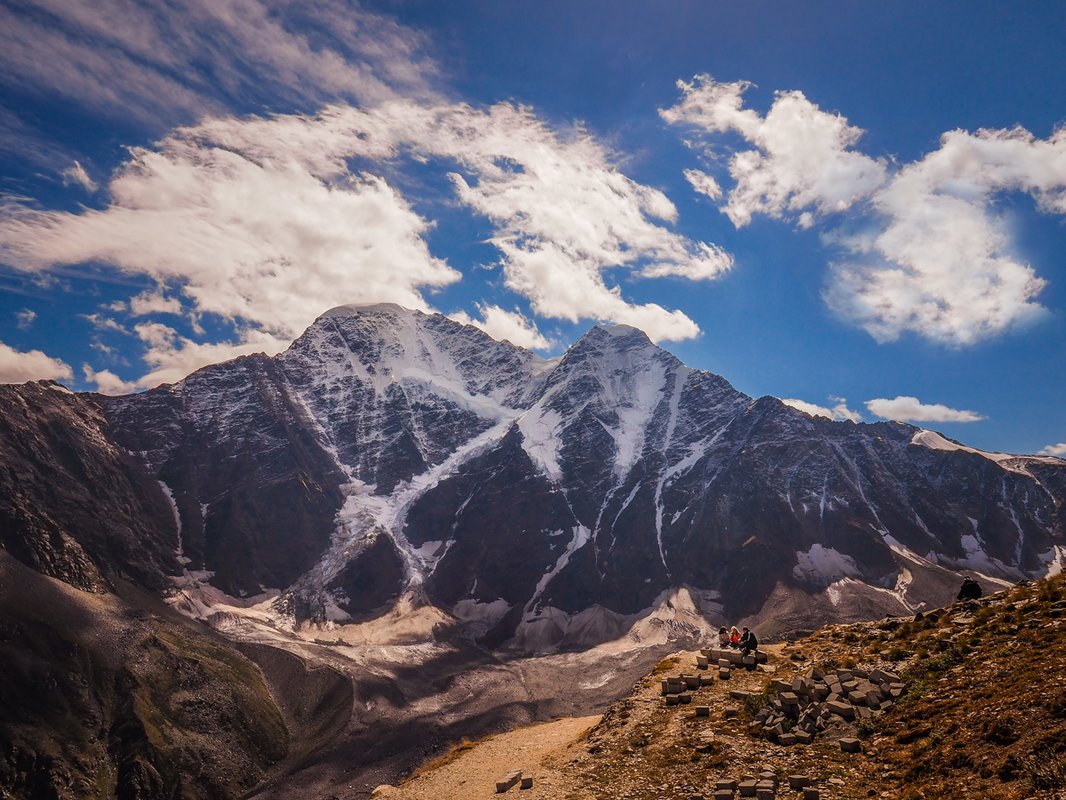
391, 455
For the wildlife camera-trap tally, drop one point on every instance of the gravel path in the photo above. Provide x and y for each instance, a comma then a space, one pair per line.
472, 775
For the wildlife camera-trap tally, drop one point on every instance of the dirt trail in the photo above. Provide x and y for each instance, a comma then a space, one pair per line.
472, 775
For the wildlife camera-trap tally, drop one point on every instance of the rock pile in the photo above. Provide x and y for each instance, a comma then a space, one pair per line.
797, 711
764, 786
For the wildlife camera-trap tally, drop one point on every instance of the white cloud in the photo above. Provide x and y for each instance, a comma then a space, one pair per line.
941, 262
25, 318
76, 174
802, 158
933, 256
910, 409
19, 367
153, 302
502, 324
170, 62
1054, 450
703, 183
172, 357
838, 412
107, 382
260, 220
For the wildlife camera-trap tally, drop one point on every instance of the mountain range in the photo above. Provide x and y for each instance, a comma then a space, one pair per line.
391, 456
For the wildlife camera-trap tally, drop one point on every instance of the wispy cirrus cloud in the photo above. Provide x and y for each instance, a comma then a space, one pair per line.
164, 63
33, 365
911, 409
932, 255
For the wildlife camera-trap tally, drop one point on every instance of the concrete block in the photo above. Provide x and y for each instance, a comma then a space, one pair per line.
723, 674
703, 711
706, 680
797, 782
692, 681
890, 677
746, 788
781, 686
760, 657
769, 785
701, 662
786, 739
527, 782
725, 783
764, 794
684, 698
845, 710
739, 694
811, 794
729, 712
666, 686
509, 780
857, 698
748, 660
849, 745
803, 737
788, 699
722, 794
724, 662
673, 699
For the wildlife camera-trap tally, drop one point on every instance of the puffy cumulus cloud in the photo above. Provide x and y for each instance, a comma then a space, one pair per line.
171, 356
941, 262
911, 409
838, 412
513, 326
19, 367
1058, 450
261, 220
164, 62
934, 256
106, 381
802, 158
76, 174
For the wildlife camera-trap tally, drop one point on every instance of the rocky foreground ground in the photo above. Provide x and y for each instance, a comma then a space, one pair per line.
981, 714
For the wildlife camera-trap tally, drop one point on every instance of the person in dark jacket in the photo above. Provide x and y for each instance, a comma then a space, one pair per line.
749, 642
970, 590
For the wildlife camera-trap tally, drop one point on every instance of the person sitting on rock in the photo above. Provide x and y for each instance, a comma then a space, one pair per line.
749, 642
723, 637
734, 637
970, 590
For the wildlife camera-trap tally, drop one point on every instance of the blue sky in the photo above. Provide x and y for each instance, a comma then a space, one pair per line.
858, 208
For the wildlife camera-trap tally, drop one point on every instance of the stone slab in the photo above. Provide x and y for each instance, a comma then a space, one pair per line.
509, 780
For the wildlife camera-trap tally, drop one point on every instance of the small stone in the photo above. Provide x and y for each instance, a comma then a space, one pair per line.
527, 782
850, 745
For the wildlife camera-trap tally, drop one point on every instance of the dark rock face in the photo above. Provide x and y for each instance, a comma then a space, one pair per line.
255, 490
388, 448
72, 504
103, 698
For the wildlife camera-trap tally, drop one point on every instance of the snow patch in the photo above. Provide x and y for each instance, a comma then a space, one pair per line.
823, 565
